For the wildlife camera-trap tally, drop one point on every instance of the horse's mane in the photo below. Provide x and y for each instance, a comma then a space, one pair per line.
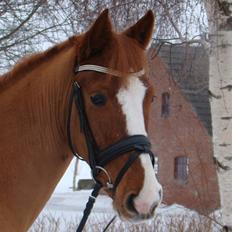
27, 64
125, 54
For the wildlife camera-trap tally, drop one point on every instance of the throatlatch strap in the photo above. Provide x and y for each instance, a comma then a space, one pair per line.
89, 206
69, 133
84, 125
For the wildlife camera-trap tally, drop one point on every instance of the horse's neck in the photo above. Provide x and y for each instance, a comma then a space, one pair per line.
33, 149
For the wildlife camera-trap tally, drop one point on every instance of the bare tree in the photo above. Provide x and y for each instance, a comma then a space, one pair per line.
29, 26
26, 27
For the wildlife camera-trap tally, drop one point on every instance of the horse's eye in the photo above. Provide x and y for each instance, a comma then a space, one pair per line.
98, 99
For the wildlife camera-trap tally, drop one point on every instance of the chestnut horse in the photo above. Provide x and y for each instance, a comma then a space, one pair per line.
34, 96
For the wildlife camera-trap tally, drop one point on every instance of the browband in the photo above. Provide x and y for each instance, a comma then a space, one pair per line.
113, 72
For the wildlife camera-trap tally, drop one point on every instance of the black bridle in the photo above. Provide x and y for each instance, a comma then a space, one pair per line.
133, 145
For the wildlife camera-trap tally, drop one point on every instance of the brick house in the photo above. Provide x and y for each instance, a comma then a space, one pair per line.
180, 128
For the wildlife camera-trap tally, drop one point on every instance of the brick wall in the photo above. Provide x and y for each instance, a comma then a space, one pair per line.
181, 133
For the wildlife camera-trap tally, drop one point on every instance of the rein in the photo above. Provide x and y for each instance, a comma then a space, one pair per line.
98, 159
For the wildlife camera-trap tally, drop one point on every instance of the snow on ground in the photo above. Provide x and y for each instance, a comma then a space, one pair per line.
75, 202
65, 209
69, 206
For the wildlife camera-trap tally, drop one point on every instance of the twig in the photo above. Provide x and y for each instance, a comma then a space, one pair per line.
171, 20
22, 23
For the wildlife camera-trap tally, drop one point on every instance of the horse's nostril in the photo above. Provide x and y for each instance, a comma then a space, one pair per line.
153, 207
130, 203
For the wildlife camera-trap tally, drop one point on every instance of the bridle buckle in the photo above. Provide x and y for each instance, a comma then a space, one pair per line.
76, 85
109, 184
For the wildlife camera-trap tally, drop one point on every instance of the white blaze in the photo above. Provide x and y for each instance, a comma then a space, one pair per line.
131, 100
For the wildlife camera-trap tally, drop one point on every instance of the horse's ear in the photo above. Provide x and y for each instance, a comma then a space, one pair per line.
97, 36
142, 31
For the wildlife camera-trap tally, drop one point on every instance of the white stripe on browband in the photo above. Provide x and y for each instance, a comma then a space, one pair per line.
101, 69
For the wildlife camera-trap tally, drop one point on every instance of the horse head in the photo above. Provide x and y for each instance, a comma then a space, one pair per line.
117, 96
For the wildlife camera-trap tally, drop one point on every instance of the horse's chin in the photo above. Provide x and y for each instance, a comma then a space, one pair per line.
127, 216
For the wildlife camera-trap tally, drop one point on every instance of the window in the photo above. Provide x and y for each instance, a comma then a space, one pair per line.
165, 105
181, 168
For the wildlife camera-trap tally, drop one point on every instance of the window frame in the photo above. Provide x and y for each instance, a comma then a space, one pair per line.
165, 104
181, 169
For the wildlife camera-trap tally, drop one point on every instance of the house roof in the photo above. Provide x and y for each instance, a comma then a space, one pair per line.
189, 67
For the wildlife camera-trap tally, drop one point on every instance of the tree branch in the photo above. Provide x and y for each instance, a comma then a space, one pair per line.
162, 3
23, 22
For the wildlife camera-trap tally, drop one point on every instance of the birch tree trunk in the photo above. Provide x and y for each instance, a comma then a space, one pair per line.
220, 83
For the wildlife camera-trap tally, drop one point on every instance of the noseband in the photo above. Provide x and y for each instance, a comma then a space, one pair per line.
134, 145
